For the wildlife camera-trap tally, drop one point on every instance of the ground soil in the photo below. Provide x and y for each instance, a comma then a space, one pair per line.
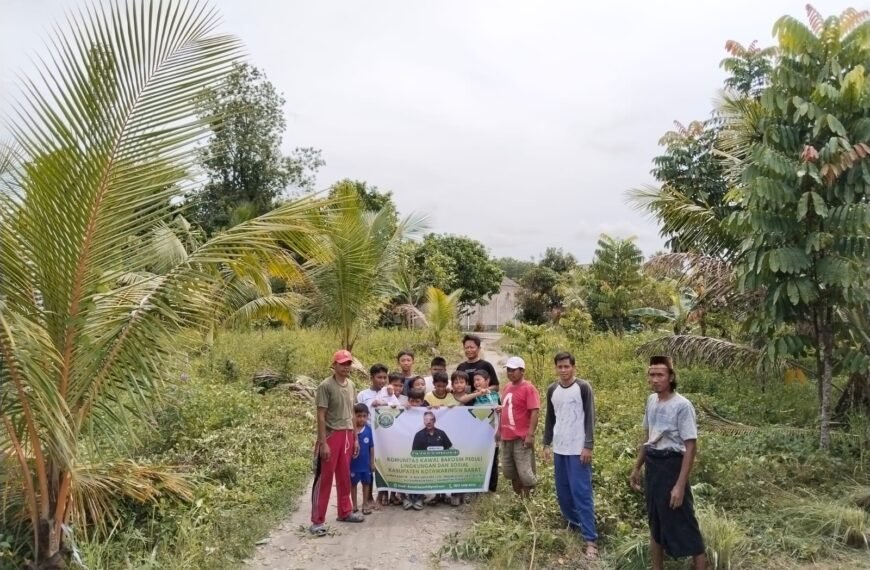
390, 538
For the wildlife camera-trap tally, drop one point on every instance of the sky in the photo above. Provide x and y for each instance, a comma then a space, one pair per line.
519, 123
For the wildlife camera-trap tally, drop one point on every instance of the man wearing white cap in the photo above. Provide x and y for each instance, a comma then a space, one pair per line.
336, 444
519, 420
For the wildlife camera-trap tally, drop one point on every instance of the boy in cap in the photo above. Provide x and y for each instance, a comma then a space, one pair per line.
519, 419
336, 444
668, 454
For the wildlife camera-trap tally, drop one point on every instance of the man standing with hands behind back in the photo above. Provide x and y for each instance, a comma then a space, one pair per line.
336, 443
521, 405
668, 454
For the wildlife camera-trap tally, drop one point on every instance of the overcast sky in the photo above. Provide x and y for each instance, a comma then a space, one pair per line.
518, 123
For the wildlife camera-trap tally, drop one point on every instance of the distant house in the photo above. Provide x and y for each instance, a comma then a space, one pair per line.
502, 308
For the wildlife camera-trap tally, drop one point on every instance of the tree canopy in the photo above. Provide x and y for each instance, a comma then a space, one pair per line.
245, 168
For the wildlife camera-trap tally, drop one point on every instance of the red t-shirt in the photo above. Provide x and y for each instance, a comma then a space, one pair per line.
518, 401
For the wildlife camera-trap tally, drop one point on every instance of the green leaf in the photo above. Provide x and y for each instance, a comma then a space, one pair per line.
793, 293
819, 205
835, 125
803, 205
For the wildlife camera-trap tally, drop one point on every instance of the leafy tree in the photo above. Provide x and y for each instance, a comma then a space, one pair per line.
515, 268
692, 203
103, 137
614, 281
243, 161
558, 260
804, 205
456, 262
540, 296
372, 199
356, 282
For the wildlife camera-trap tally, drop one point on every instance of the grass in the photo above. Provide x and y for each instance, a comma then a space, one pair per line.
249, 452
743, 482
766, 499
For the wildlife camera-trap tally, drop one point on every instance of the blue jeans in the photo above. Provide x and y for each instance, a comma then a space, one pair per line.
574, 493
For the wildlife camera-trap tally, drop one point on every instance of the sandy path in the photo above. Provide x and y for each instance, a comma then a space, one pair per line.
390, 538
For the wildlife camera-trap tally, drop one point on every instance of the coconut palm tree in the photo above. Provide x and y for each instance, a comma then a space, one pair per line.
350, 288
103, 138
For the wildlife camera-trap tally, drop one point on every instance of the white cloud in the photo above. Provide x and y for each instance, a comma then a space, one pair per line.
518, 123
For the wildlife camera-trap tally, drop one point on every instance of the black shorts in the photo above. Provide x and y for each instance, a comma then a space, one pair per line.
675, 529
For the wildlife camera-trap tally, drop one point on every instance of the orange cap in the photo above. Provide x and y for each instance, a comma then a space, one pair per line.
342, 357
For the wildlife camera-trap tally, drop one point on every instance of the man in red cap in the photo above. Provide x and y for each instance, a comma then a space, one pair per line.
336, 443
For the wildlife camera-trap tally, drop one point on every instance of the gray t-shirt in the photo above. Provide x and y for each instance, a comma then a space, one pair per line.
670, 423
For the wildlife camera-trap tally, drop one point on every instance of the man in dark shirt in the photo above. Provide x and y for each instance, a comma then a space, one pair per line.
430, 436
473, 361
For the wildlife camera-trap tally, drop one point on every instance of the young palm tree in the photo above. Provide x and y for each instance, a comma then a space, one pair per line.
362, 249
103, 139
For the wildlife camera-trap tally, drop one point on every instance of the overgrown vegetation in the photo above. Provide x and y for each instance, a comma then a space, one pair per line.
248, 452
767, 497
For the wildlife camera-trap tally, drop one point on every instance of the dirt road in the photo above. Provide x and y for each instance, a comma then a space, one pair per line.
390, 538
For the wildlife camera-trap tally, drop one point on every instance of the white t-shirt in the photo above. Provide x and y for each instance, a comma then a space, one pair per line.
670, 423
368, 396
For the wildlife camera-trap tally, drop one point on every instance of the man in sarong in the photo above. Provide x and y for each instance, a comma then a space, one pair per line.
668, 454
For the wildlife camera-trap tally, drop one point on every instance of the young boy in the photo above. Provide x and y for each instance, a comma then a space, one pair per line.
418, 383
394, 390
414, 501
362, 466
405, 360
375, 395
438, 364
483, 396
461, 393
439, 396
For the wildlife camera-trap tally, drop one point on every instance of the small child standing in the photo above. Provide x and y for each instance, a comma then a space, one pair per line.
486, 397
362, 466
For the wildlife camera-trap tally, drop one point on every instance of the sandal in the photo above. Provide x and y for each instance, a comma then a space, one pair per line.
591, 551
367, 510
396, 501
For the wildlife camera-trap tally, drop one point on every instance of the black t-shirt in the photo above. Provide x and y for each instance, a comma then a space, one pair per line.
423, 440
470, 367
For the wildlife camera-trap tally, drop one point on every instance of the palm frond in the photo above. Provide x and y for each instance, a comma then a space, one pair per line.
717, 423
679, 215
96, 489
357, 280
715, 352
442, 312
282, 307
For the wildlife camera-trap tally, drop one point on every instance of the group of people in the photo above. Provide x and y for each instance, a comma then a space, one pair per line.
344, 449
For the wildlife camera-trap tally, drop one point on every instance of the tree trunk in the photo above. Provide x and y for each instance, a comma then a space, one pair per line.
826, 382
856, 396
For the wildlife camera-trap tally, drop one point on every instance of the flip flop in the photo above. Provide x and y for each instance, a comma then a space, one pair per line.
591, 552
366, 511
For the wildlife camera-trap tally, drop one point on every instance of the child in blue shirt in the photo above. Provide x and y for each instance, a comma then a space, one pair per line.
362, 466
484, 396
